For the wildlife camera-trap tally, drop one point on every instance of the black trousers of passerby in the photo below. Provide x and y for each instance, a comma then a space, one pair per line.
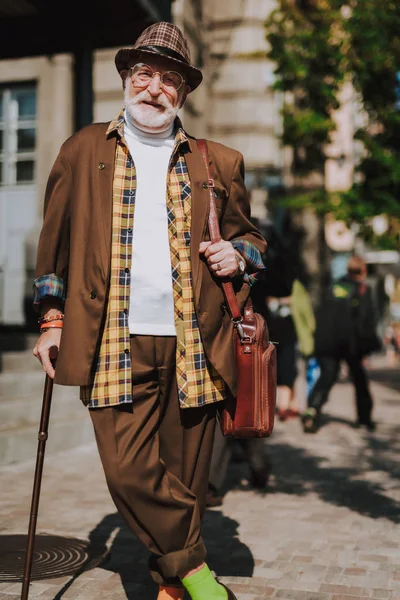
253, 453
329, 373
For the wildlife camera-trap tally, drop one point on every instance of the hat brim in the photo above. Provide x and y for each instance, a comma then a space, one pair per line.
123, 61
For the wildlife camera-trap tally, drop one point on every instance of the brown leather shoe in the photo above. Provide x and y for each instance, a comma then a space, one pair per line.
231, 595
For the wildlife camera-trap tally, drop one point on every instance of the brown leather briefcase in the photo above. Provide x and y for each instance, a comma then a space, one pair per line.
252, 412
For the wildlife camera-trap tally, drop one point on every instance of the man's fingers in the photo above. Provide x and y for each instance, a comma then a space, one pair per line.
46, 350
223, 273
220, 258
217, 267
215, 258
226, 269
203, 247
47, 366
213, 249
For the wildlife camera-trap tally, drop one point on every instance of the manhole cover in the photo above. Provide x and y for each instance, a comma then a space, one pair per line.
53, 556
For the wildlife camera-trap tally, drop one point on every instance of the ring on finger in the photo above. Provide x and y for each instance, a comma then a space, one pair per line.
219, 266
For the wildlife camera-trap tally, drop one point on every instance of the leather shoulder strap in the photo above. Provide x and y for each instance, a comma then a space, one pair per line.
215, 234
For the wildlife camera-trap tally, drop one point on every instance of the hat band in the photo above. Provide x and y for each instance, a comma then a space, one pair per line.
164, 51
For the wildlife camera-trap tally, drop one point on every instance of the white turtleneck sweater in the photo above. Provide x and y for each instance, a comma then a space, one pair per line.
151, 310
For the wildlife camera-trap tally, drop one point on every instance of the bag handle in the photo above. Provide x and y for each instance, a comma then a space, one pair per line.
215, 236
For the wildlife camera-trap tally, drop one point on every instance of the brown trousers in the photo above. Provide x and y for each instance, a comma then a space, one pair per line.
156, 459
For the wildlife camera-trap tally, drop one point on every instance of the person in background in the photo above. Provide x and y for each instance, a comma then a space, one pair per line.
291, 324
228, 450
277, 279
304, 322
271, 297
345, 331
313, 372
282, 331
391, 343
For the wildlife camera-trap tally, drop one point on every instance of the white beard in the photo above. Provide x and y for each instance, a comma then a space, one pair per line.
147, 117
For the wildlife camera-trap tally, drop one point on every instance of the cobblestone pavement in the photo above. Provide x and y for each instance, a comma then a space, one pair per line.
327, 528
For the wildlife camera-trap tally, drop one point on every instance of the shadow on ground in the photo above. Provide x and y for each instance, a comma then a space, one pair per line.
298, 472
386, 376
227, 555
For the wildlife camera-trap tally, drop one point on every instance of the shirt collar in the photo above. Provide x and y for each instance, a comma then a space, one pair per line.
181, 137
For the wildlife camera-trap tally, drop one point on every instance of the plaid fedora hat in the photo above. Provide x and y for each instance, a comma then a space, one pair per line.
161, 39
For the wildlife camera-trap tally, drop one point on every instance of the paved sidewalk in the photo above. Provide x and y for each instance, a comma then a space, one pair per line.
327, 528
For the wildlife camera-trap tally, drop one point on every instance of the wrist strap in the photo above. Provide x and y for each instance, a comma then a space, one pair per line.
215, 236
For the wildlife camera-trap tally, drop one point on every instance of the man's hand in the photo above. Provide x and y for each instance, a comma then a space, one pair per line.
221, 258
45, 349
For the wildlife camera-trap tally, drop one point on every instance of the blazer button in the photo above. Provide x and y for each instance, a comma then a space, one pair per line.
93, 294
102, 166
205, 185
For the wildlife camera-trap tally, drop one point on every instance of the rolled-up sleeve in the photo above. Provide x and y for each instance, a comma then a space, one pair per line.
48, 285
237, 227
252, 256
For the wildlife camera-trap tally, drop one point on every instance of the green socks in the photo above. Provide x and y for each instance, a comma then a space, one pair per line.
203, 586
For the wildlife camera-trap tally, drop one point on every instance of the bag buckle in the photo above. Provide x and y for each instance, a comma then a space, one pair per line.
237, 323
209, 184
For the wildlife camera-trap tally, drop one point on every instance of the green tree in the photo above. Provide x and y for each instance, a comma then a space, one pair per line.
308, 55
374, 61
316, 45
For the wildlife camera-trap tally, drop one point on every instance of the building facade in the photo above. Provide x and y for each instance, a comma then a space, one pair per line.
236, 105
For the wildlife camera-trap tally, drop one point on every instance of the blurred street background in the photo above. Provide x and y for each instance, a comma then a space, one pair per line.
309, 92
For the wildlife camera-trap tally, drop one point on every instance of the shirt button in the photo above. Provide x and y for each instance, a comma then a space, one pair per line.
93, 294
102, 166
126, 351
126, 311
126, 270
130, 229
131, 192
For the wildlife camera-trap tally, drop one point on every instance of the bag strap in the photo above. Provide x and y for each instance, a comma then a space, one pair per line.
215, 236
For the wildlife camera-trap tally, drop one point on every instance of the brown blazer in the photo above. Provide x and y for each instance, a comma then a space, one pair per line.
75, 244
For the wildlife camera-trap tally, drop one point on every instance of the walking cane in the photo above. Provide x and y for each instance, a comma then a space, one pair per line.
42, 437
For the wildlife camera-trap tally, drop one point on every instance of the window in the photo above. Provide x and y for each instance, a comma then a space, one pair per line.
17, 134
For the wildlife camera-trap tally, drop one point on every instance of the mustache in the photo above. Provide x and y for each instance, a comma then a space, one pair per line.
145, 96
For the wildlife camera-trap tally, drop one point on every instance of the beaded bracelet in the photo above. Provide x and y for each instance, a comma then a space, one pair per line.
58, 317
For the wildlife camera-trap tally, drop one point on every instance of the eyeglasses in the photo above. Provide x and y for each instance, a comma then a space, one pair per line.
142, 75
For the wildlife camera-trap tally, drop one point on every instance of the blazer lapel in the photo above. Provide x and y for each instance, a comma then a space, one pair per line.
200, 209
105, 159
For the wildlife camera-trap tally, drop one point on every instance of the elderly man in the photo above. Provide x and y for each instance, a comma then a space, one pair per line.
127, 284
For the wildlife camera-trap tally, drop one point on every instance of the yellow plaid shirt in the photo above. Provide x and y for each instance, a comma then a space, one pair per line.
198, 381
